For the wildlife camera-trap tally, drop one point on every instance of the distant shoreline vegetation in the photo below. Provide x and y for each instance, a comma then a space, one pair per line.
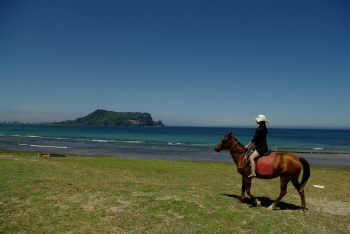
19, 122
111, 118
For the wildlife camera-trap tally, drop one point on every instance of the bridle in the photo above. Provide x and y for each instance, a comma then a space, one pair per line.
233, 145
225, 140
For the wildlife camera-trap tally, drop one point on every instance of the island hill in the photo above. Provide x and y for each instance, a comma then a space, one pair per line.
111, 118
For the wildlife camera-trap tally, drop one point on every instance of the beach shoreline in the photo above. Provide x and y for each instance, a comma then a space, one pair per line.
171, 143
321, 159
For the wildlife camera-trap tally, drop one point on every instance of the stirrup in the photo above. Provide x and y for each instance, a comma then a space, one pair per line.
251, 176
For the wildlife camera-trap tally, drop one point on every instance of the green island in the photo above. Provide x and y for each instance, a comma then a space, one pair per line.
103, 117
95, 194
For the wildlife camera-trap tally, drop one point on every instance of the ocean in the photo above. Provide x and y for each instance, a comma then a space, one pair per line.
319, 146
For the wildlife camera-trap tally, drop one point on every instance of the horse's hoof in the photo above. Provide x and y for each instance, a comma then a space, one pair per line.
258, 203
302, 211
270, 207
239, 201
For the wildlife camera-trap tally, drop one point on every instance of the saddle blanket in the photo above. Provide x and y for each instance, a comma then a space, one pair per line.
264, 165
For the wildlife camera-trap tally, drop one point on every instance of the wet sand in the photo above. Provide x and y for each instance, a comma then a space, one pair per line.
326, 159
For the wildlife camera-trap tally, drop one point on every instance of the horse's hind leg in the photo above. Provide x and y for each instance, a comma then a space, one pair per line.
284, 183
300, 191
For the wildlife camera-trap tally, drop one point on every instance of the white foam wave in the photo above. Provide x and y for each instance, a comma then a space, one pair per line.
100, 140
82, 139
137, 142
50, 146
201, 144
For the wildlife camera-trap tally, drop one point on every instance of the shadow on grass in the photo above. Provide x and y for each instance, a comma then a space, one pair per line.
266, 202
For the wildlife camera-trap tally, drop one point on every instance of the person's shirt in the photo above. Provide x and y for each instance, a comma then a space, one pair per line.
259, 138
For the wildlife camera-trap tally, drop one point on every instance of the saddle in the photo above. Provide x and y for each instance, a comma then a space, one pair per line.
263, 164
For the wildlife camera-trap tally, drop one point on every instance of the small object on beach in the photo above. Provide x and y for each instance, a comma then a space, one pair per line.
318, 186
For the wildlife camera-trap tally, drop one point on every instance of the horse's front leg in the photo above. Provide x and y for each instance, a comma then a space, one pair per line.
243, 191
248, 183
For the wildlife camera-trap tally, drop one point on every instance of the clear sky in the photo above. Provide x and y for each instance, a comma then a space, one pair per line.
187, 63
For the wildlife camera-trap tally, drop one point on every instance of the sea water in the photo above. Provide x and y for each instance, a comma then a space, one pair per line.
176, 143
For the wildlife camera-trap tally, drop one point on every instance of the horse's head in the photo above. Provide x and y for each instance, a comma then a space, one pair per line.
222, 144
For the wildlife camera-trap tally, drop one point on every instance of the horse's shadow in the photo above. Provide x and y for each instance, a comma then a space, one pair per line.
265, 202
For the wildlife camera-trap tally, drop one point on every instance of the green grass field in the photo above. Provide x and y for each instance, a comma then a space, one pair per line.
121, 195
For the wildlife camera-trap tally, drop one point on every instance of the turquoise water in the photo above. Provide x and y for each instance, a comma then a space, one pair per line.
163, 142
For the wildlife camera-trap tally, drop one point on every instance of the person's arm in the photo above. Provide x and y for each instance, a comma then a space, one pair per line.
254, 139
257, 135
247, 146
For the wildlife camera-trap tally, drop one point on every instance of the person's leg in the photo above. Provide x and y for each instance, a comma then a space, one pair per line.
254, 155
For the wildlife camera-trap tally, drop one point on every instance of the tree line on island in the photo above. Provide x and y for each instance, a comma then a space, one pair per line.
111, 118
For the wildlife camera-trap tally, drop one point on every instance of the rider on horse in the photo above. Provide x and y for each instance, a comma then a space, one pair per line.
260, 142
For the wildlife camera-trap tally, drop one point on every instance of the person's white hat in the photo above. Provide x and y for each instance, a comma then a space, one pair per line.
262, 118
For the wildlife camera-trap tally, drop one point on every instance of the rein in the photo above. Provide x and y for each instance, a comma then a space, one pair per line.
233, 146
226, 140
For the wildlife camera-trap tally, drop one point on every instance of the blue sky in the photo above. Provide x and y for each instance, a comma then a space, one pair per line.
188, 63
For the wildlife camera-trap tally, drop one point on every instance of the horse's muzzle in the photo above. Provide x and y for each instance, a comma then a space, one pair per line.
217, 149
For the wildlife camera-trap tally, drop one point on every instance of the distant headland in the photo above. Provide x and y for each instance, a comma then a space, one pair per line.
111, 118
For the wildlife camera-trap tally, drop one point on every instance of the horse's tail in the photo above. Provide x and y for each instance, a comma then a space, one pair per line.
306, 173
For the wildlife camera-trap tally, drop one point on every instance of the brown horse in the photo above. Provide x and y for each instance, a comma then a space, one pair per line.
286, 165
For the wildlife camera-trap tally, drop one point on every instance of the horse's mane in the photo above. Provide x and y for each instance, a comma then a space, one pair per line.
238, 142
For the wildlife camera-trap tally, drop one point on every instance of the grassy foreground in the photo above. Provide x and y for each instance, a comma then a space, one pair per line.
121, 195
